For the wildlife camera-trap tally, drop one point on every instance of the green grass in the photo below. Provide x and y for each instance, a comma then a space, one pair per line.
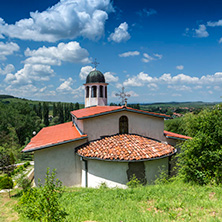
167, 202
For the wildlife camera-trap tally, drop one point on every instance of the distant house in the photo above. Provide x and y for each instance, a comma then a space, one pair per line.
104, 144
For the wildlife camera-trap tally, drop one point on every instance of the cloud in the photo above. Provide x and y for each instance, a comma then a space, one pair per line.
147, 58
110, 77
168, 79
153, 86
145, 12
120, 34
70, 52
7, 49
214, 24
67, 19
180, 88
29, 74
65, 87
85, 71
201, 32
130, 53
7, 69
180, 67
132, 93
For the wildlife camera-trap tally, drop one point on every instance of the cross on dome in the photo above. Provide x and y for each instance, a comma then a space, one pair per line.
95, 63
123, 96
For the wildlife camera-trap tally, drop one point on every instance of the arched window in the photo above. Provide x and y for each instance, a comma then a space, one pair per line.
94, 89
105, 91
123, 124
87, 92
100, 91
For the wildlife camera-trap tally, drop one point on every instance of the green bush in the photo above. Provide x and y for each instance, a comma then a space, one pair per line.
42, 204
6, 182
134, 182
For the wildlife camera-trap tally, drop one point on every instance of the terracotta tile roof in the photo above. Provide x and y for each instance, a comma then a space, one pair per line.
125, 147
54, 135
175, 135
102, 110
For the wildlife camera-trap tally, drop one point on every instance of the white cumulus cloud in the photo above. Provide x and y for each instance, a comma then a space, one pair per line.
214, 24
147, 58
7, 49
110, 77
66, 86
67, 19
29, 74
120, 34
7, 69
85, 71
70, 52
130, 53
201, 32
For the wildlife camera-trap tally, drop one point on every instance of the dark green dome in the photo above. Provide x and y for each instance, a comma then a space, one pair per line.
95, 76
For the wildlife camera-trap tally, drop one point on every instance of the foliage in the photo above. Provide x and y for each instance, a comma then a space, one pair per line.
23, 182
200, 160
6, 182
134, 182
46, 113
42, 204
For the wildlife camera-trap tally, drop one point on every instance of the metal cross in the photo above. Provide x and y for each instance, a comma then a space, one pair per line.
123, 96
95, 63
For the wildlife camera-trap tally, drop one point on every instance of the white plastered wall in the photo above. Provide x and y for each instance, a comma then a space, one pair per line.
154, 168
114, 174
63, 159
140, 124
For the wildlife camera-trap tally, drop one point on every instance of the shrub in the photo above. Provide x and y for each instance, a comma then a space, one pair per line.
42, 204
134, 182
6, 182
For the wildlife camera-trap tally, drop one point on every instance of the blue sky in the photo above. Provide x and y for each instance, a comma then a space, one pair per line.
160, 51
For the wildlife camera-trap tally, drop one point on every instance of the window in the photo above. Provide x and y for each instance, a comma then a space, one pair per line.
100, 91
105, 91
87, 92
94, 91
123, 124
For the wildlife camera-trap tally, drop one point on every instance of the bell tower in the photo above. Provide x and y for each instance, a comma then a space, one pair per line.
95, 89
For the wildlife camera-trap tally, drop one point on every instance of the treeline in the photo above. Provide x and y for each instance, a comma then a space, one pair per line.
19, 121
60, 112
200, 158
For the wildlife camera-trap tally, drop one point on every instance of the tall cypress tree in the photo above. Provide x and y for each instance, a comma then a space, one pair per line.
76, 106
46, 113
55, 111
60, 112
39, 113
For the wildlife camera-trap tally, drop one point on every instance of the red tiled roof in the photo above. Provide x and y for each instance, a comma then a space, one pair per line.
175, 135
53, 135
102, 110
125, 147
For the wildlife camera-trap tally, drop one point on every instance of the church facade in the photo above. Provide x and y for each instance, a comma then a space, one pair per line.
104, 144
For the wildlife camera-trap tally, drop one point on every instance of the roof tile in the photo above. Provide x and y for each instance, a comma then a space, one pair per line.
125, 147
53, 135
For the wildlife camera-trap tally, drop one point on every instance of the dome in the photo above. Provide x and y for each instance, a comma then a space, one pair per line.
95, 76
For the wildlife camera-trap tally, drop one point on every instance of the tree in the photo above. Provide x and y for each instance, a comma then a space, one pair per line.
200, 159
60, 112
66, 111
46, 113
55, 111
40, 110
76, 106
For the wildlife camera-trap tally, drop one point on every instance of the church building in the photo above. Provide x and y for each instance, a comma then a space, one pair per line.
104, 144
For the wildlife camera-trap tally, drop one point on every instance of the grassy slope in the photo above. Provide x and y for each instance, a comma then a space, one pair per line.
170, 202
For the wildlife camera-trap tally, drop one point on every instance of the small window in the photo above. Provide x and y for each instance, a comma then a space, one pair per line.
123, 124
100, 91
105, 91
87, 92
94, 88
